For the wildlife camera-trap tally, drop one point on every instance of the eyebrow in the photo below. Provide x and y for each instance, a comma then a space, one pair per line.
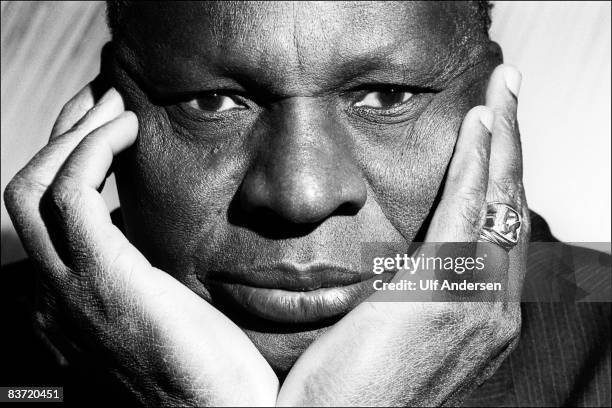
370, 64
385, 71
388, 65
396, 64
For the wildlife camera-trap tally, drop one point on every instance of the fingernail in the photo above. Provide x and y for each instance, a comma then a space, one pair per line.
486, 118
513, 80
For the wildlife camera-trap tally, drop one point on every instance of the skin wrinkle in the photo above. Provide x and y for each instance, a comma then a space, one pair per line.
295, 37
411, 354
177, 184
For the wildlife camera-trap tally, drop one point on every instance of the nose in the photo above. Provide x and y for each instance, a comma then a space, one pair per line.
304, 171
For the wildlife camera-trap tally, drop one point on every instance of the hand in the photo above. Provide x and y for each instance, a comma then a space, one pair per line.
434, 353
100, 296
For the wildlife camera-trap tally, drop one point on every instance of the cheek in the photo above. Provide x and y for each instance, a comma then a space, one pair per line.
174, 190
406, 172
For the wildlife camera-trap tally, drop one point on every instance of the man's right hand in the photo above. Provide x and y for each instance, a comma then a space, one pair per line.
166, 344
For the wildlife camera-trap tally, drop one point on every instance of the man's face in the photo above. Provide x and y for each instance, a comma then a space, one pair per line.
276, 139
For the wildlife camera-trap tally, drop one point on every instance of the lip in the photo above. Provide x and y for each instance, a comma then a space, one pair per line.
294, 294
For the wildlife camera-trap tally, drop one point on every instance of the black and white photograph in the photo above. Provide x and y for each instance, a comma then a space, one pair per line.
306, 203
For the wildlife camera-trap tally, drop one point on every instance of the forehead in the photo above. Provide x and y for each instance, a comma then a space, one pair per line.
299, 44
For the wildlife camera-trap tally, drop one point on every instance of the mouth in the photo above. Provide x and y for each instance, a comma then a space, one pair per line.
290, 294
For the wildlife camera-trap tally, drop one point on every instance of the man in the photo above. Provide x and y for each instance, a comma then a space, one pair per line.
257, 148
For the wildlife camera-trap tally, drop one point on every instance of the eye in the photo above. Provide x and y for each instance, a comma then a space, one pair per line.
385, 99
216, 102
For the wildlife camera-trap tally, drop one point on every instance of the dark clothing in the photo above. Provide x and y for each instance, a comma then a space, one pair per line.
562, 358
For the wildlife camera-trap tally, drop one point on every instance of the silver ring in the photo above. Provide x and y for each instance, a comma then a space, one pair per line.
502, 225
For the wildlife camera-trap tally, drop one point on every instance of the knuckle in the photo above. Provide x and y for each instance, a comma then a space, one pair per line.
507, 121
93, 141
19, 190
498, 324
502, 323
64, 195
13, 194
443, 317
67, 138
509, 327
472, 195
506, 189
440, 316
473, 216
73, 107
470, 200
81, 124
481, 156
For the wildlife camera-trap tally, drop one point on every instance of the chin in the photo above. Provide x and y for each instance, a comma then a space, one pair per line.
282, 350
280, 343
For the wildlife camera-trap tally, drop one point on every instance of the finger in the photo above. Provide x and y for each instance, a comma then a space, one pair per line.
89, 162
22, 195
78, 105
46, 163
74, 110
460, 213
78, 211
505, 170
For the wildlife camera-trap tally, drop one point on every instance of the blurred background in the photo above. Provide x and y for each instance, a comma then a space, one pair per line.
51, 49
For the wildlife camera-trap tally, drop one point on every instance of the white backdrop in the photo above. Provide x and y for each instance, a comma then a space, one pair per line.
50, 49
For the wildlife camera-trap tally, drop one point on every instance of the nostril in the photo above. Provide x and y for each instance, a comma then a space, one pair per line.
301, 197
294, 207
266, 222
349, 208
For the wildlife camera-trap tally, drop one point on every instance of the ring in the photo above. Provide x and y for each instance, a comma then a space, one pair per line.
502, 225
